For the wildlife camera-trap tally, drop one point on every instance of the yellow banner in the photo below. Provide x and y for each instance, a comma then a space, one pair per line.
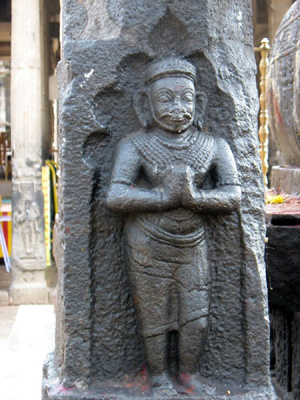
47, 211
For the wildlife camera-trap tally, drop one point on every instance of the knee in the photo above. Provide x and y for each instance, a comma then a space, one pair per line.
196, 327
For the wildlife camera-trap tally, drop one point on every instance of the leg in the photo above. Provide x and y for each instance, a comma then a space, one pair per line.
190, 345
194, 288
194, 292
150, 287
155, 352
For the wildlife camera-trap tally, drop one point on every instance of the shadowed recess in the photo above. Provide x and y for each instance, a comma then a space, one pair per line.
94, 147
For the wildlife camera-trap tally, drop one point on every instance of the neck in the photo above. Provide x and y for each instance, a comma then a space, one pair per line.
173, 135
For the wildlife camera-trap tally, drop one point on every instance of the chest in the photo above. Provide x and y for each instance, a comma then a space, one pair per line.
157, 155
154, 168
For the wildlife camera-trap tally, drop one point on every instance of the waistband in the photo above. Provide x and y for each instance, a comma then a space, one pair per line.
160, 235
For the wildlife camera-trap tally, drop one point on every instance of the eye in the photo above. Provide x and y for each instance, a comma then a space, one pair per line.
164, 98
188, 97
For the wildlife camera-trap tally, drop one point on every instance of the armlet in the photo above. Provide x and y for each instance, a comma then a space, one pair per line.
229, 182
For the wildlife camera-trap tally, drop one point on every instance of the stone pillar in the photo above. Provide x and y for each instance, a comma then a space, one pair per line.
276, 11
107, 47
27, 116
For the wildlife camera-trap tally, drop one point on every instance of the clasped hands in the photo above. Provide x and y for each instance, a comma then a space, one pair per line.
179, 189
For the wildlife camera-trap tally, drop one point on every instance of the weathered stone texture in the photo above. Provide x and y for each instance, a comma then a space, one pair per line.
106, 48
285, 328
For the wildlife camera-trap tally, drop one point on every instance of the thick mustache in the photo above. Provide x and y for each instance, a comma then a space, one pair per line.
176, 115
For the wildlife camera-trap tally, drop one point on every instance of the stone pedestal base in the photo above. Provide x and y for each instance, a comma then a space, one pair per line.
286, 179
29, 293
283, 255
53, 390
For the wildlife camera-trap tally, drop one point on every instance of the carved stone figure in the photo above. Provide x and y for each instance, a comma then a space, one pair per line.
28, 218
158, 179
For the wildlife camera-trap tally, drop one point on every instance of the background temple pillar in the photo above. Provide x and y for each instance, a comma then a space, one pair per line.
29, 115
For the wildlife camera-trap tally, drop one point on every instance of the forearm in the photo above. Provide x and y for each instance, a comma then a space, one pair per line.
130, 199
222, 199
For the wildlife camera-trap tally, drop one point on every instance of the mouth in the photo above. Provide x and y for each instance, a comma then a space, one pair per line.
176, 117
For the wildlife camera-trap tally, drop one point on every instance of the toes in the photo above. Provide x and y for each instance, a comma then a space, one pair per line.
162, 386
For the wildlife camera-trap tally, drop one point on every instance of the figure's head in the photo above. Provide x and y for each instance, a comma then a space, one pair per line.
172, 94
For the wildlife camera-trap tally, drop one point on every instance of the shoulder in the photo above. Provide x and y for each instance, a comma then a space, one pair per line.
136, 134
221, 147
128, 142
220, 142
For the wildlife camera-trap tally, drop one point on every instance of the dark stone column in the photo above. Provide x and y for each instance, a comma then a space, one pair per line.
282, 258
107, 47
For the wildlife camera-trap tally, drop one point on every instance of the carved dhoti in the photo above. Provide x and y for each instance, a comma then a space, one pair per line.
169, 276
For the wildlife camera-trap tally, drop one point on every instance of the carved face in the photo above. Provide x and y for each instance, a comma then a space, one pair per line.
172, 103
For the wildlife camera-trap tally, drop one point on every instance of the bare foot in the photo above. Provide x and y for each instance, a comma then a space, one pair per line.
191, 382
162, 386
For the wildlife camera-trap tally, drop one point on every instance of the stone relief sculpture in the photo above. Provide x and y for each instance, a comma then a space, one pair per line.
158, 178
191, 303
28, 219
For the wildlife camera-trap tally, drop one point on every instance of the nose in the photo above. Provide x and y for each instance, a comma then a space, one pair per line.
177, 105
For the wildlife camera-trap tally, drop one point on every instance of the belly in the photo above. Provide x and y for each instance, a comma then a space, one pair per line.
179, 221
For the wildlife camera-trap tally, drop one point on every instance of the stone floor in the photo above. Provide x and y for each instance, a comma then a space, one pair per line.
26, 337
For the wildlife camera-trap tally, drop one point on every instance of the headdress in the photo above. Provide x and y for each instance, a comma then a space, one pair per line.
170, 67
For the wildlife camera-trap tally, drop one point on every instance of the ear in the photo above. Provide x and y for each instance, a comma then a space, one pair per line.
141, 108
201, 103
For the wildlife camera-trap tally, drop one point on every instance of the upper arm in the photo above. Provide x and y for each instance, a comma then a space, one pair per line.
225, 167
126, 163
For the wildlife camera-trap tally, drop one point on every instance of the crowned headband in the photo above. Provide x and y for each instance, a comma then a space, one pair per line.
170, 67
